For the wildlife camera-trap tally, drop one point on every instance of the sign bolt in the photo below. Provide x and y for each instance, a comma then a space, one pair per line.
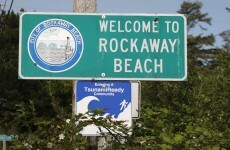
103, 74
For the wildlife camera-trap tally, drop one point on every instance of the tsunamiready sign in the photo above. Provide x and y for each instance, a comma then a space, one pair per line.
114, 97
103, 46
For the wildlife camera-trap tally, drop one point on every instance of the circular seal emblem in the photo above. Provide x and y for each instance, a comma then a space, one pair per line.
55, 45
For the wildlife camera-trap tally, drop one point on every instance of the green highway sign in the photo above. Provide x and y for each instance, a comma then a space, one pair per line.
5, 138
72, 46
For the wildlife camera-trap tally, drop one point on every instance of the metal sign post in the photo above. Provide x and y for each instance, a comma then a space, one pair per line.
5, 138
84, 6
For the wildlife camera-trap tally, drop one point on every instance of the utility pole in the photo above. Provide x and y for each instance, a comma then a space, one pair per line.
88, 6
85, 6
82, 6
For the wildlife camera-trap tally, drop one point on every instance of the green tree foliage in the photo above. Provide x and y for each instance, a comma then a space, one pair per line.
65, 133
195, 43
228, 9
194, 15
192, 114
8, 67
226, 37
47, 96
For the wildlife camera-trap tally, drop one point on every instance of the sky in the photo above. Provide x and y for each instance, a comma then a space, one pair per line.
215, 9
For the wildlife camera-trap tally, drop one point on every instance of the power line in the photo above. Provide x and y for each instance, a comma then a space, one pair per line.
5, 5
0, 8
10, 6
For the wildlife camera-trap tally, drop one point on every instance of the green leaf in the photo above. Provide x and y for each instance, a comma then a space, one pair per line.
178, 138
166, 138
165, 146
215, 148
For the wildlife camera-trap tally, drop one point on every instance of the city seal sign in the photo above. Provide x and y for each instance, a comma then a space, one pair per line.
55, 45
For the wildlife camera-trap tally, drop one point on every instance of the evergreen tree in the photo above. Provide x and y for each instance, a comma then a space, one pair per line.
45, 97
191, 114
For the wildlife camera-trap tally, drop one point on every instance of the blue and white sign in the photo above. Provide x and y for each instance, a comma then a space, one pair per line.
55, 45
113, 96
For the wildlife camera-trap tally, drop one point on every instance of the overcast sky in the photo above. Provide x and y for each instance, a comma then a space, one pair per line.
215, 8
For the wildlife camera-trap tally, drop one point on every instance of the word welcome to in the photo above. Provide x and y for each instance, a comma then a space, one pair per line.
141, 46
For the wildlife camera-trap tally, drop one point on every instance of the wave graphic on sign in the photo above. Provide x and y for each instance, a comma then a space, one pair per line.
82, 105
